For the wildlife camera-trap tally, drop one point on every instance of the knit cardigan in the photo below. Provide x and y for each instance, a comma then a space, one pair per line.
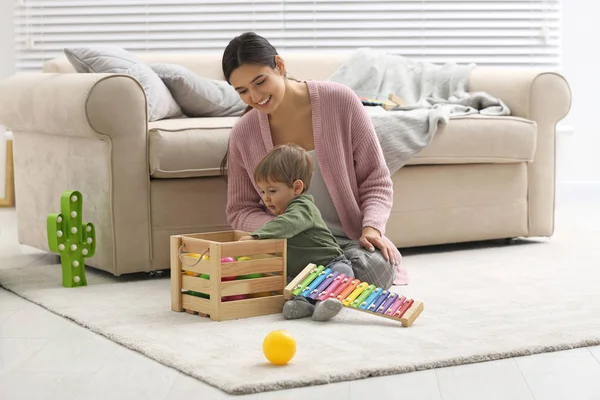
348, 152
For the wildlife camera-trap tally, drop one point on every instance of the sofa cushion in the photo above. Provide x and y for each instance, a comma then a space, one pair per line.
194, 147
477, 138
188, 147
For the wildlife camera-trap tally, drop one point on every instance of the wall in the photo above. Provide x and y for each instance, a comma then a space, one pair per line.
580, 160
7, 62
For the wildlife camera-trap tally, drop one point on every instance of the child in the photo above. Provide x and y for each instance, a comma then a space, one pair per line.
283, 176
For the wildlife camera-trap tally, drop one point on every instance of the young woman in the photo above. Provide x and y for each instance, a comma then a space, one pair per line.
351, 182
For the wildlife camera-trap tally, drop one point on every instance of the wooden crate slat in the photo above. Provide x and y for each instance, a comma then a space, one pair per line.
250, 247
258, 266
198, 246
202, 267
237, 235
256, 285
266, 256
215, 281
175, 274
225, 236
251, 307
195, 283
194, 303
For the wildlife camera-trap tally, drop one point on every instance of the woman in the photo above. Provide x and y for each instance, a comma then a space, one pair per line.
351, 182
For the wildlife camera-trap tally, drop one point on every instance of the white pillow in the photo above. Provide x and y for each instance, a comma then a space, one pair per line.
109, 59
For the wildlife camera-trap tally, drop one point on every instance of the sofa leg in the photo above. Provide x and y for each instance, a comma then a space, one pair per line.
510, 241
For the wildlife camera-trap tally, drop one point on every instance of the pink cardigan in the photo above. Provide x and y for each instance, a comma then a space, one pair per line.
348, 153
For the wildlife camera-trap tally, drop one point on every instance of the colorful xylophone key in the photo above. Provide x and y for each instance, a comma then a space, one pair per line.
326, 282
372, 297
334, 284
355, 293
387, 303
363, 296
380, 299
341, 287
394, 307
316, 282
308, 279
348, 289
404, 308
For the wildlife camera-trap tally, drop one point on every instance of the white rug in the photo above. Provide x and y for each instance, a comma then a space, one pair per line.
481, 303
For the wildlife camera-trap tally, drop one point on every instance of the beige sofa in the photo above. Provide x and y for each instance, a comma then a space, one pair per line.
481, 177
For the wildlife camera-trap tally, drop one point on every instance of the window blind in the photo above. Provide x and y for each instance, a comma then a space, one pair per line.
486, 32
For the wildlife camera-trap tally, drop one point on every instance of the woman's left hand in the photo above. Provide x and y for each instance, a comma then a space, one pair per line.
371, 238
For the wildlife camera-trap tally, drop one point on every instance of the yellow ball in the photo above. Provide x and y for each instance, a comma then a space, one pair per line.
279, 347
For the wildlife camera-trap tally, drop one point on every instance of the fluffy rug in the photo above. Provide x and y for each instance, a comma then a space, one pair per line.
482, 302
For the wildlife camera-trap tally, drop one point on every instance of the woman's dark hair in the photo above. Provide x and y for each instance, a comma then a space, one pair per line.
248, 48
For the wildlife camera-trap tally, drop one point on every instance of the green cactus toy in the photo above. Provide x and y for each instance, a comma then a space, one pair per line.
72, 239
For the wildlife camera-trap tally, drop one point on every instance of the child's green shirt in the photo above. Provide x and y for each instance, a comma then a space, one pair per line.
309, 240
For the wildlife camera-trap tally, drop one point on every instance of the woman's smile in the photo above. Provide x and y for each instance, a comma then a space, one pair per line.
265, 102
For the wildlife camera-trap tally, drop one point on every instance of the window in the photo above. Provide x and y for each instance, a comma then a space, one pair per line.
486, 32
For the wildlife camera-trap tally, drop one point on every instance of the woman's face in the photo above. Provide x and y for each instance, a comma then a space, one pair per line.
259, 86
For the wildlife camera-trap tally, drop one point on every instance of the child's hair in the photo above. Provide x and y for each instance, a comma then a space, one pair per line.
285, 164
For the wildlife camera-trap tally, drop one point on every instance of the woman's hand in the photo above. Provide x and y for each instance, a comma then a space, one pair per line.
371, 238
247, 238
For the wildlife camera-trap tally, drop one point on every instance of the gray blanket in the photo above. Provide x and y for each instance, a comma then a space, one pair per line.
432, 94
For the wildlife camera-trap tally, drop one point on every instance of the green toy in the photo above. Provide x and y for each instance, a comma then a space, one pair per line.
71, 239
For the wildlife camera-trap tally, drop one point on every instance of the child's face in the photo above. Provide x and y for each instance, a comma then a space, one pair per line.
277, 195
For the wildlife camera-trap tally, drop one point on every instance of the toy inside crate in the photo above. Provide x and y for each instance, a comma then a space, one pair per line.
214, 274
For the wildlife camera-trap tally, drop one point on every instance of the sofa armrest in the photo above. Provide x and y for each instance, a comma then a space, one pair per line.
75, 105
543, 97
92, 130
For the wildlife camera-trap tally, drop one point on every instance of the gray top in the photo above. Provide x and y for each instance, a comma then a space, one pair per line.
323, 200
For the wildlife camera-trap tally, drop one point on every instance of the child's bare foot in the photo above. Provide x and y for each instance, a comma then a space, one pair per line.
327, 309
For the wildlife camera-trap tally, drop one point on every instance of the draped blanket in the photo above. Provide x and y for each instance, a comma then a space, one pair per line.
431, 94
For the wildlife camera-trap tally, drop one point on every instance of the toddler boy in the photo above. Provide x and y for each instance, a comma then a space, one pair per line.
283, 176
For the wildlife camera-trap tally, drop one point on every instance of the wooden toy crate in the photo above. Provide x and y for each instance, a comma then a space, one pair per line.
227, 280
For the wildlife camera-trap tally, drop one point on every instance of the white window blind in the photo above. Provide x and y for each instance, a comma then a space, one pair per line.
486, 32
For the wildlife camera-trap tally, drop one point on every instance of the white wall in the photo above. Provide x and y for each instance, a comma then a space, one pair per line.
7, 59
7, 62
580, 153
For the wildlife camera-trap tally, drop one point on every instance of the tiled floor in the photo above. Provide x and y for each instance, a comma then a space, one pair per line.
44, 356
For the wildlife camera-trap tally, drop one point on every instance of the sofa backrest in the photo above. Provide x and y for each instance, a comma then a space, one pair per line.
300, 65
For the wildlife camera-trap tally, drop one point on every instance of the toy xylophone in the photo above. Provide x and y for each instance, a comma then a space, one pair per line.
319, 283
